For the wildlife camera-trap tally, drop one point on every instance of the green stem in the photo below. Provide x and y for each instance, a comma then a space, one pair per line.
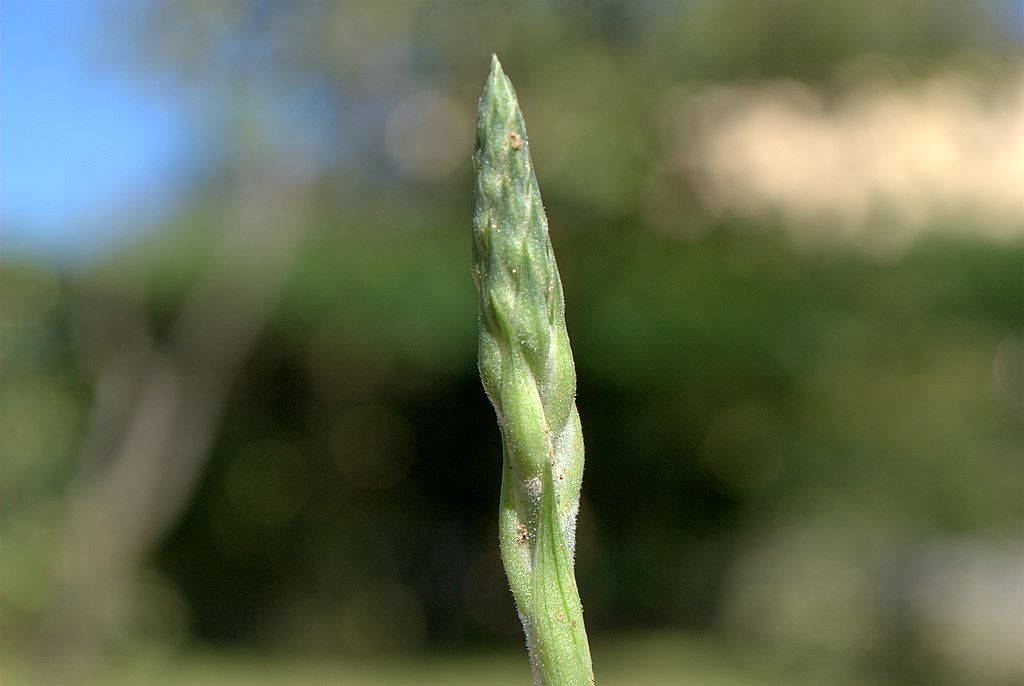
527, 369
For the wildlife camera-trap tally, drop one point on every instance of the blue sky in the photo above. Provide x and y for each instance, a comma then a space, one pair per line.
86, 153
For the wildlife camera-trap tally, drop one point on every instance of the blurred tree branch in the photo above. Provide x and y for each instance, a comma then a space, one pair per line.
154, 418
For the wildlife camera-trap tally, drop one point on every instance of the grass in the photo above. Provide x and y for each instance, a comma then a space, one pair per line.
662, 659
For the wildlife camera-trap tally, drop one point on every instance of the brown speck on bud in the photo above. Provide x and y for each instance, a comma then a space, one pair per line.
517, 142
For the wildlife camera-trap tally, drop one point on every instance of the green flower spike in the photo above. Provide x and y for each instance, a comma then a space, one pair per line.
527, 369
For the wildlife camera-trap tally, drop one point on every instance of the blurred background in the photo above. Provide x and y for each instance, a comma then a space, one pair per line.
242, 436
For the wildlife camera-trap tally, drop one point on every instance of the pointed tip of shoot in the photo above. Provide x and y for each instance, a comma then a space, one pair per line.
500, 127
497, 87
